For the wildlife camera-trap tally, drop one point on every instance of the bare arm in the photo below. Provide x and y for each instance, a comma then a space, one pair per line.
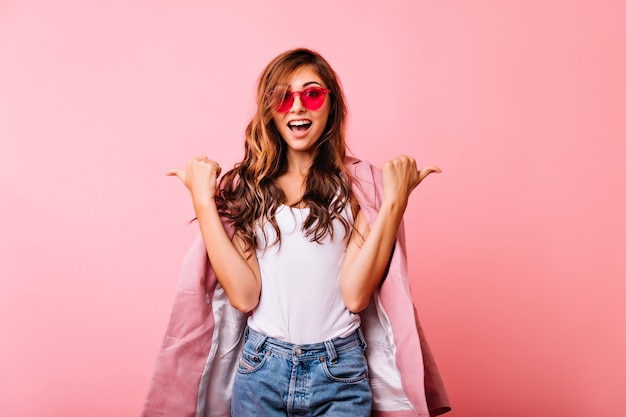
235, 269
369, 250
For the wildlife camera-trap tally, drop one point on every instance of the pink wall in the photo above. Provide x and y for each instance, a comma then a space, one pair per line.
517, 249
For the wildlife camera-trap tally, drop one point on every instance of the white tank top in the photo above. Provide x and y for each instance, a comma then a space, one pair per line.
301, 300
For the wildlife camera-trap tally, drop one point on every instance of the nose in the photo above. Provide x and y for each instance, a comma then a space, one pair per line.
297, 105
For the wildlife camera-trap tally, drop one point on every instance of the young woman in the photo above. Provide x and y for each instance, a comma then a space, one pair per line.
300, 245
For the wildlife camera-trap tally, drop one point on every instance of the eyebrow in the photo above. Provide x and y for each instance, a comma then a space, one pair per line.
305, 85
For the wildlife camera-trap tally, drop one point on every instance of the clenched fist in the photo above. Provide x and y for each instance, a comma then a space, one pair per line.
401, 176
200, 178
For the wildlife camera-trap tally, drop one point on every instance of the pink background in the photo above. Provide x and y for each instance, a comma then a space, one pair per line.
517, 250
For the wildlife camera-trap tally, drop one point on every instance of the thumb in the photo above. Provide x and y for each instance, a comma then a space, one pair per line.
424, 172
176, 173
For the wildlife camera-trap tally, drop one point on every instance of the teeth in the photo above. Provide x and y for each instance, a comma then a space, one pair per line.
299, 123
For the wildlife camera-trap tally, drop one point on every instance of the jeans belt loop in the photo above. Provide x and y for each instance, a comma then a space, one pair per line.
259, 342
362, 337
330, 349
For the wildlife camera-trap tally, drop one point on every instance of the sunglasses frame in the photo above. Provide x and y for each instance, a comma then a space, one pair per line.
287, 103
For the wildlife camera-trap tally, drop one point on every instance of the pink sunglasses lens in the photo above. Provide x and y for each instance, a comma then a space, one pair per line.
287, 103
313, 98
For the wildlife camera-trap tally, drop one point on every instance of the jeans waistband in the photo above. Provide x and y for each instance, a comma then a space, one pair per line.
329, 348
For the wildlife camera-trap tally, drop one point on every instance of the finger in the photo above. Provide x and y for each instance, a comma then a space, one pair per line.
176, 172
401, 159
424, 172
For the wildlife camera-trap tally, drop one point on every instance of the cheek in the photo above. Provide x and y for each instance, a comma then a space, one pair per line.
323, 120
326, 113
279, 125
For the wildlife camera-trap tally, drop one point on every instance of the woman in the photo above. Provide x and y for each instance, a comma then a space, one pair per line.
293, 250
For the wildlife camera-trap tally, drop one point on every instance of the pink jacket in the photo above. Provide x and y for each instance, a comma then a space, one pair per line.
197, 360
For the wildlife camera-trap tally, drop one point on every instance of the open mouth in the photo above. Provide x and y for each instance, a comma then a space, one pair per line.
299, 125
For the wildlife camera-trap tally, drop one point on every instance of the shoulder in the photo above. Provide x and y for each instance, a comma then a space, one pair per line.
363, 170
367, 185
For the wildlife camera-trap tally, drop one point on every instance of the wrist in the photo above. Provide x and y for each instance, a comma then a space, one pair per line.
205, 203
394, 205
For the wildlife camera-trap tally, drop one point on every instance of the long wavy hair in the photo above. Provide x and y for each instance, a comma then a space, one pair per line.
248, 194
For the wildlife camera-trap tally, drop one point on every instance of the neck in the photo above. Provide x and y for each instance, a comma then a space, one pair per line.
299, 163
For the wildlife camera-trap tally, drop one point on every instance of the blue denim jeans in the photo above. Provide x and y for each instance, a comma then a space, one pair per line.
276, 378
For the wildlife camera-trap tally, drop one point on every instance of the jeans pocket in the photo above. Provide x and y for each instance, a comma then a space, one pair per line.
251, 361
350, 366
